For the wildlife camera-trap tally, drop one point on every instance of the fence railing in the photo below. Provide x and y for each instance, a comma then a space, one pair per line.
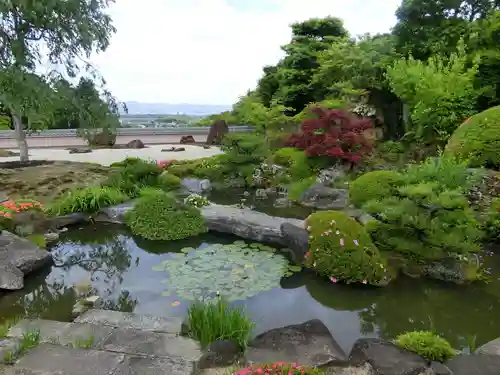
129, 131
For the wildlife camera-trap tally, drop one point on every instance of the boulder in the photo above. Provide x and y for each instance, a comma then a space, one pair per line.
491, 348
19, 254
386, 358
186, 139
449, 270
220, 353
173, 149
217, 132
245, 223
136, 143
297, 239
194, 185
325, 198
80, 150
309, 344
475, 364
329, 176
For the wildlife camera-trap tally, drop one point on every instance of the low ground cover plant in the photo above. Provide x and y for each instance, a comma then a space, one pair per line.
217, 320
279, 368
426, 344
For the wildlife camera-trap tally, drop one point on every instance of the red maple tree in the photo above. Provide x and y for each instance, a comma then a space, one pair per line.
336, 133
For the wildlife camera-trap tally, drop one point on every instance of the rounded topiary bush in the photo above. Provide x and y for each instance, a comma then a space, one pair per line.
161, 217
340, 248
169, 181
478, 139
426, 344
373, 185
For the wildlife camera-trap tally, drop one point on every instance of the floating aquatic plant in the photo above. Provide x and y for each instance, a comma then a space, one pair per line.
237, 271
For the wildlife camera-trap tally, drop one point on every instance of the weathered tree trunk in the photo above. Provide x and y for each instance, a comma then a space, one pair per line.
20, 138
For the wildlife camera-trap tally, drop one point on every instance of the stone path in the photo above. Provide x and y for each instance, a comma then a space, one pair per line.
102, 342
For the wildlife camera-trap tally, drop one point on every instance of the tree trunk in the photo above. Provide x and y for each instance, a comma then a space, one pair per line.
406, 117
20, 138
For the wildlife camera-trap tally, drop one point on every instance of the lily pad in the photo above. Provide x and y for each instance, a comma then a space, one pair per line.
237, 271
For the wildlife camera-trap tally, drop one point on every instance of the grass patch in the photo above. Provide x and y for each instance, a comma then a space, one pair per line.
83, 343
211, 321
90, 200
6, 326
29, 340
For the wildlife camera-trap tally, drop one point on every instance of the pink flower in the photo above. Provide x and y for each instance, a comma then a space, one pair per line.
364, 282
308, 254
333, 280
342, 242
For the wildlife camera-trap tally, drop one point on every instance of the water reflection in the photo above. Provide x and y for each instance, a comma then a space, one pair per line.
118, 267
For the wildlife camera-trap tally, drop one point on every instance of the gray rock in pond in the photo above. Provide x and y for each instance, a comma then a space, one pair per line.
297, 239
220, 353
438, 368
492, 348
11, 278
475, 364
80, 150
386, 358
193, 185
115, 214
21, 254
449, 270
325, 198
309, 343
245, 223
51, 236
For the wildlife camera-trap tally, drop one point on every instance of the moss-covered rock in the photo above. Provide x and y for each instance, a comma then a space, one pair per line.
374, 185
169, 181
341, 249
478, 139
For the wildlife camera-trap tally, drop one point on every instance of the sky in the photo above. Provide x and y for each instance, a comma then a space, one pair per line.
213, 51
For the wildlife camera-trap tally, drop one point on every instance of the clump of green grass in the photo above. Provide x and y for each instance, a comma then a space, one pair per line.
90, 200
29, 340
84, 343
6, 326
426, 344
211, 321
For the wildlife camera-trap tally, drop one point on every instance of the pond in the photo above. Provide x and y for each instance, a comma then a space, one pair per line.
119, 268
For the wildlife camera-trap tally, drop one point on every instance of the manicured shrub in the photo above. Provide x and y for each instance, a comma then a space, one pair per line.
424, 222
374, 185
133, 174
478, 140
216, 320
90, 200
340, 248
335, 133
161, 217
169, 181
426, 344
295, 160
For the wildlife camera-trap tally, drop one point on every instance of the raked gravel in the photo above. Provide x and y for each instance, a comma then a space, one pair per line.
109, 156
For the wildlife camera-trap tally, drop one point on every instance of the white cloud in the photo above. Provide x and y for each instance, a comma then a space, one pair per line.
206, 51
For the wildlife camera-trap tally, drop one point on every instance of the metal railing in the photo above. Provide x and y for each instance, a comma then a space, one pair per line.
51, 133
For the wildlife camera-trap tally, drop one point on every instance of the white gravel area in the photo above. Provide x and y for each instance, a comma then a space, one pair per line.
109, 156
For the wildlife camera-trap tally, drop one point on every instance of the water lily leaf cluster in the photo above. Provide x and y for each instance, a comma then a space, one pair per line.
236, 271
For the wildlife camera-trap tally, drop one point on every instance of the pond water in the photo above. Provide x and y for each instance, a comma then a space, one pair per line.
119, 267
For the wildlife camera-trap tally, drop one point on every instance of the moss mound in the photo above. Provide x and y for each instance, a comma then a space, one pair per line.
478, 139
341, 249
373, 185
427, 345
161, 217
169, 181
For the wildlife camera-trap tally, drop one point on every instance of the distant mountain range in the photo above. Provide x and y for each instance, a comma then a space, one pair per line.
137, 108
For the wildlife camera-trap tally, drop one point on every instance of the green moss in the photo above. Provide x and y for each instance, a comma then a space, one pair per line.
341, 248
478, 140
169, 181
161, 217
373, 185
296, 189
426, 344
38, 240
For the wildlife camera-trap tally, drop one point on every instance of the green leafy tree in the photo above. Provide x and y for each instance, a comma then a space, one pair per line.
69, 30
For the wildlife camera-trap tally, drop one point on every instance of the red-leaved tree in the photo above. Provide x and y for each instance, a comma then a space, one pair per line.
335, 133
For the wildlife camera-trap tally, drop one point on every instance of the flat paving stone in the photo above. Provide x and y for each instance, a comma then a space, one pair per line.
130, 321
154, 366
62, 360
148, 343
61, 333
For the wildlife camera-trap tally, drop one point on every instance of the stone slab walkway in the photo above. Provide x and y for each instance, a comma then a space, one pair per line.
115, 344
